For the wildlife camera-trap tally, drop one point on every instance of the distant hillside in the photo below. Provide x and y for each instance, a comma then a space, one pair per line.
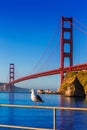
16, 89
70, 76
21, 90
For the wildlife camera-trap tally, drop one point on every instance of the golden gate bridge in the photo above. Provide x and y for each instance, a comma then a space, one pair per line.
64, 40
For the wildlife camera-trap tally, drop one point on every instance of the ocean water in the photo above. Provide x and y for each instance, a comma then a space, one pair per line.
43, 118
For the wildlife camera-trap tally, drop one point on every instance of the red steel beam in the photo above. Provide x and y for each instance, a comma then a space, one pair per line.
50, 72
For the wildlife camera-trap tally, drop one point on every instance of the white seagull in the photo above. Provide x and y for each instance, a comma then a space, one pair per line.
35, 97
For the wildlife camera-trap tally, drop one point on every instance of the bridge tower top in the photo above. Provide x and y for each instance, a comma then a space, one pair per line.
66, 39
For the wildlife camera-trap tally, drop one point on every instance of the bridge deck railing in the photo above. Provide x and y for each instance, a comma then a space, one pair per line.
38, 107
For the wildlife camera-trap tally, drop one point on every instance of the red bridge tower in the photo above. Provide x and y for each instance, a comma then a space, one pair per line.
11, 72
11, 75
66, 39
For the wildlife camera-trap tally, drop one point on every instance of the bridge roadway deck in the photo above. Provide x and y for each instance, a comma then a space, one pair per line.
50, 72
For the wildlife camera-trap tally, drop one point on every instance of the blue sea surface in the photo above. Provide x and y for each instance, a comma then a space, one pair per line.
43, 118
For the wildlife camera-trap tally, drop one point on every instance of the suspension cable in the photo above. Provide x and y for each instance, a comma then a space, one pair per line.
44, 53
51, 54
77, 27
83, 25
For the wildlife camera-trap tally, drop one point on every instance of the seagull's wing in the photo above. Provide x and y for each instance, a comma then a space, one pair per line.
39, 98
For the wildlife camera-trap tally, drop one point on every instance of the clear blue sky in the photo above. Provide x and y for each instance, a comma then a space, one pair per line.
26, 27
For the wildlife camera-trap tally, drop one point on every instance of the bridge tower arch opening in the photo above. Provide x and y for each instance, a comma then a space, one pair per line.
66, 39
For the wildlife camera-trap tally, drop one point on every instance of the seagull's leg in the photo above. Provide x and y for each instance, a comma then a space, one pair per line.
35, 103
